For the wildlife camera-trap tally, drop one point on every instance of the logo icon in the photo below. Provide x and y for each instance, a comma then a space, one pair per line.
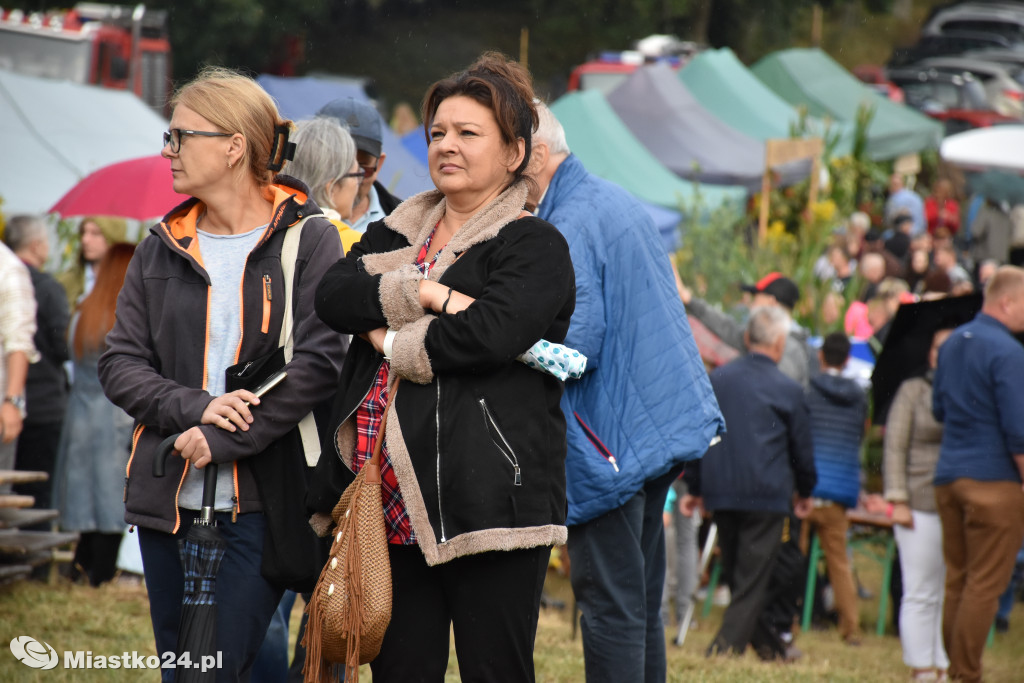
34, 653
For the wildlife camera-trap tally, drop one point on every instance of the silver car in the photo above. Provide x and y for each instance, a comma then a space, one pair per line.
1002, 18
1004, 92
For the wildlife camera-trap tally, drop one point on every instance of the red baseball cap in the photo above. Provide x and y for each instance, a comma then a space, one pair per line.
778, 285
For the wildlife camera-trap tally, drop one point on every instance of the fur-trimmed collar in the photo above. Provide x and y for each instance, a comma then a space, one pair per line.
416, 217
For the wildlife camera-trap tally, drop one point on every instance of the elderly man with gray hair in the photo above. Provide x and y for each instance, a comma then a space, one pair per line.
643, 408
761, 470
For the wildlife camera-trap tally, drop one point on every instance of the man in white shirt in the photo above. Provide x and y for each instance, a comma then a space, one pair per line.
17, 327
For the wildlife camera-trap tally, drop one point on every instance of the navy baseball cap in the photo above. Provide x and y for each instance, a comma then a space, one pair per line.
364, 123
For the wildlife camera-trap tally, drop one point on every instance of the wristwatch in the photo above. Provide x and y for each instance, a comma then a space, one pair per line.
18, 401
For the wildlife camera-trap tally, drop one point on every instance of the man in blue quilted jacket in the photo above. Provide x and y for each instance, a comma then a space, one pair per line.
838, 408
643, 407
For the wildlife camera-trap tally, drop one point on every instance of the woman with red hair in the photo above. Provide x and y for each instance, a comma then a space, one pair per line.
97, 435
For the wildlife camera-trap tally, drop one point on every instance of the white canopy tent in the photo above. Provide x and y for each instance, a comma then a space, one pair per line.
54, 133
995, 148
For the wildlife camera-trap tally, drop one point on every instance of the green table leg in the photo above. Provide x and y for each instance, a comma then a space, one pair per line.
812, 579
883, 600
716, 572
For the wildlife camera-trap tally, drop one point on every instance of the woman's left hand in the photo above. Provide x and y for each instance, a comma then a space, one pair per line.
192, 446
376, 338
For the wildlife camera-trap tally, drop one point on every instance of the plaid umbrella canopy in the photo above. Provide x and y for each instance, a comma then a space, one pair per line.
201, 553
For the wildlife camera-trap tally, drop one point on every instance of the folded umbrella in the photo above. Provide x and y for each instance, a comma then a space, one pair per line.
202, 551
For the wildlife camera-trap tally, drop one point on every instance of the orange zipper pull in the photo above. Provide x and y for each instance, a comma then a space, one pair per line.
265, 326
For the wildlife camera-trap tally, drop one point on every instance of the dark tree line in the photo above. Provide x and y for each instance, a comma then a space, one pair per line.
406, 44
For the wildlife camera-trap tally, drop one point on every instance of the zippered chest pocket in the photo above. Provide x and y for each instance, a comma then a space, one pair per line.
500, 442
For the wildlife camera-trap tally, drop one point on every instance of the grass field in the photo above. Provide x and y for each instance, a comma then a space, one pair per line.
115, 618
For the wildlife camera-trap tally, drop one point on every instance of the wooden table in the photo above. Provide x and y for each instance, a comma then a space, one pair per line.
861, 517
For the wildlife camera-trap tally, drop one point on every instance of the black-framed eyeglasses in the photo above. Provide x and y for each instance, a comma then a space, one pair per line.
361, 173
173, 136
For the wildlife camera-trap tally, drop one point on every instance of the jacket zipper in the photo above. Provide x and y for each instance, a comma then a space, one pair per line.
266, 304
437, 447
596, 442
136, 433
507, 451
353, 412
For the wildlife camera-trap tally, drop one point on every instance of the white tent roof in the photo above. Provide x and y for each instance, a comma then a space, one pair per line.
54, 133
998, 147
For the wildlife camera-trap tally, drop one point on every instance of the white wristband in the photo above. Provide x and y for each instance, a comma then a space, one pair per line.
389, 342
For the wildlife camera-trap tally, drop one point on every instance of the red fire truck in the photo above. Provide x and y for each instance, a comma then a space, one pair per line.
608, 69
125, 48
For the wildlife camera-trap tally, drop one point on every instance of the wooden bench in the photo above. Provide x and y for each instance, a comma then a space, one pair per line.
21, 550
13, 500
13, 518
21, 476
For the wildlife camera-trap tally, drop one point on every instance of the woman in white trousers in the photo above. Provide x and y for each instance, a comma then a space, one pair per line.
912, 439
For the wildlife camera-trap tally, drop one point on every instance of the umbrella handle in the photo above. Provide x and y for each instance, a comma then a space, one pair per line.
164, 450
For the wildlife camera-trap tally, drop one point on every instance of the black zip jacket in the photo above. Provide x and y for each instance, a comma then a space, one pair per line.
155, 365
476, 438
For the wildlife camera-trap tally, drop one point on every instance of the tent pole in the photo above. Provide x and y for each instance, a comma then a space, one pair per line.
766, 189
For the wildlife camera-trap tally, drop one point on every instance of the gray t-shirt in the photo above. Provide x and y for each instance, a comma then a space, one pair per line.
224, 258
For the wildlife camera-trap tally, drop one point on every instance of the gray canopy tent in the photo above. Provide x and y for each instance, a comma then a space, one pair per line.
686, 137
55, 133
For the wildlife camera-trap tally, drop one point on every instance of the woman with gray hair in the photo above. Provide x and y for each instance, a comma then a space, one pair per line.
325, 160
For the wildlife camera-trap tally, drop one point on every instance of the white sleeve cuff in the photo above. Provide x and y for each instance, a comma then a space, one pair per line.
389, 342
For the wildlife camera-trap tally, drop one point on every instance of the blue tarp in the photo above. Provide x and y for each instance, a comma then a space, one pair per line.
416, 143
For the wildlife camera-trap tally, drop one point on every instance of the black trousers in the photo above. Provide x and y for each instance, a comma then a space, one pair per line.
749, 543
492, 600
37, 452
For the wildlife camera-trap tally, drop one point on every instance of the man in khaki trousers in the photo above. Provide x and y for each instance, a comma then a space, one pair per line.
979, 396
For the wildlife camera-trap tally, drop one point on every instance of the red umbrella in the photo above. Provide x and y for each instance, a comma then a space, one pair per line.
138, 188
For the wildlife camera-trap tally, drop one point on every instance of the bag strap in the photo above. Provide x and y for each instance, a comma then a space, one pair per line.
378, 446
289, 255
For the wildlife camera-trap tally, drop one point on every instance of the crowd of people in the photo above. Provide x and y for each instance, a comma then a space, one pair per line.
289, 253
933, 464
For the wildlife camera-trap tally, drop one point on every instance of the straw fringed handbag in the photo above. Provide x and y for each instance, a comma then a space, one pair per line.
350, 607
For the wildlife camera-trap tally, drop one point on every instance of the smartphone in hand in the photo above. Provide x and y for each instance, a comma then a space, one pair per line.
269, 383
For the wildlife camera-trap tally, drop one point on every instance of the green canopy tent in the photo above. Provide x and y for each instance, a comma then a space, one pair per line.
809, 77
723, 85
609, 150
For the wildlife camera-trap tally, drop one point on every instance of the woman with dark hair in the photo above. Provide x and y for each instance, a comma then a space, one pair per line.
446, 293
206, 291
96, 436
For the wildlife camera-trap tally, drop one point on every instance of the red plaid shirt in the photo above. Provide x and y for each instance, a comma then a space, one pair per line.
368, 418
